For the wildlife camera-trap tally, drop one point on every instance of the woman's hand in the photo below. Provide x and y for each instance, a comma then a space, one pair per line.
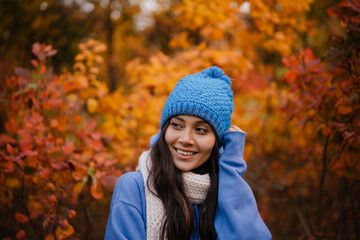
234, 128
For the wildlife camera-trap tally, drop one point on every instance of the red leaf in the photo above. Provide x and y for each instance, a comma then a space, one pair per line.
286, 62
63, 223
21, 235
341, 126
24, 134
22, 72
290, 75
108, 181
68, 147
36, 48
34, 62
48, 48
332, 11
59, 166
6, 139
91, 124
96, 135
51, 53
51, 199
345, 4
9, 149
11, 83
21, 218
326, 131
293, 61
11, 126
25, 145
97, 145
29, 153
69, 86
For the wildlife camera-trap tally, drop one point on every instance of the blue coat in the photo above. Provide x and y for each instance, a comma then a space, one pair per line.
237, 215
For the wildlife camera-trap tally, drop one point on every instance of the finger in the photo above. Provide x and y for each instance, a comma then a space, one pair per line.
234, 128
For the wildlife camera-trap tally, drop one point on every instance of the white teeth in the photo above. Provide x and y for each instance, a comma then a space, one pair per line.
185, 153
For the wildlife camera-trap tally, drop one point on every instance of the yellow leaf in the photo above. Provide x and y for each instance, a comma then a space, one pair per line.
94, 70
79, 57
64, 233
92, 105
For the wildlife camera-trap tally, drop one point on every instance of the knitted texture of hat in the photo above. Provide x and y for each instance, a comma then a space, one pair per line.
207, 95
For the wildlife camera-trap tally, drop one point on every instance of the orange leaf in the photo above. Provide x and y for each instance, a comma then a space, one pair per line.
54, 123
9, 149
343, 110
13, 183
42, 69
71, 213
96, 189
49, 237
68, 147
77, 119
77, 188
35, 209
290, 75
21, 218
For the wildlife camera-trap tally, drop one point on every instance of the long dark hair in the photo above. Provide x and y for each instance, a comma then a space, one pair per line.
168, 183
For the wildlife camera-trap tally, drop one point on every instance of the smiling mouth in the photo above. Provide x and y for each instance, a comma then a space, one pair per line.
184, 152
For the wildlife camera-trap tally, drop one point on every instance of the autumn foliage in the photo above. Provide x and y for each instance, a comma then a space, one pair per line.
65, 138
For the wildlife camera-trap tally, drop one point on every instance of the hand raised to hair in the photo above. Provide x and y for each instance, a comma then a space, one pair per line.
234, 128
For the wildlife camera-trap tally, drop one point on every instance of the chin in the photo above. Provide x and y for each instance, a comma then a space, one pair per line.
184, 168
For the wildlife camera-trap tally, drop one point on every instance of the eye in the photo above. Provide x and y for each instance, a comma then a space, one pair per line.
201, 130
175, 125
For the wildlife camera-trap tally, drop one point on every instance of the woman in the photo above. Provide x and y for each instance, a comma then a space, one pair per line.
183, 187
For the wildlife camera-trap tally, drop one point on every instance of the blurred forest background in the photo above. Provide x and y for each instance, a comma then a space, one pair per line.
83, 83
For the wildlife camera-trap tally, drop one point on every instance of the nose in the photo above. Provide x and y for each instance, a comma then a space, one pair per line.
186, 138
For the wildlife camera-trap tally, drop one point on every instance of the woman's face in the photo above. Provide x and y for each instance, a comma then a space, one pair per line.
190, 140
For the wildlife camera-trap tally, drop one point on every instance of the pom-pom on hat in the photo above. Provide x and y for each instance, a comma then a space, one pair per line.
207, 95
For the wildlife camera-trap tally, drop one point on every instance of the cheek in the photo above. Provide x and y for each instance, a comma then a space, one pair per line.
169, 137
208, 144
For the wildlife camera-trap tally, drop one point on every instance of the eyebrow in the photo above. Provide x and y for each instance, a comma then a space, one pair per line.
197, 122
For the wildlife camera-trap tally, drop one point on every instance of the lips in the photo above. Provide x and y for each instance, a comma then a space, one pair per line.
185, 152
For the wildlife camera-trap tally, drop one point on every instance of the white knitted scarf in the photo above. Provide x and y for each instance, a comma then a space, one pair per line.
196, 187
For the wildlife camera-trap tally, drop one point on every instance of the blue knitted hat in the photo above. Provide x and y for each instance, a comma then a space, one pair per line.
207, 95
